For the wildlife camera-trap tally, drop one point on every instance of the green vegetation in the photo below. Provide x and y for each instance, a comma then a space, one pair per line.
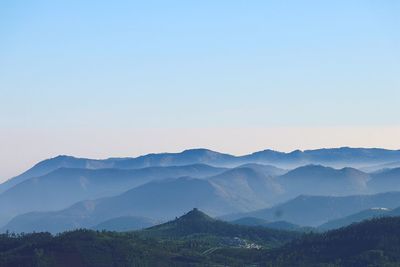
197, 225
373, 242
198, 240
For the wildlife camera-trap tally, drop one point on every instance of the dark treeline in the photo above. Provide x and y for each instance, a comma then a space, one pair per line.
370, 243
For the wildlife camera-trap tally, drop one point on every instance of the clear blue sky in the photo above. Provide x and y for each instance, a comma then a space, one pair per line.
68, 67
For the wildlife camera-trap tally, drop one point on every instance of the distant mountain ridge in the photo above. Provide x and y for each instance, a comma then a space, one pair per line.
67, 193
336, 157
242, 189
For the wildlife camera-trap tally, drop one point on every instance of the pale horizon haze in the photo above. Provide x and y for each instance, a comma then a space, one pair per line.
103, 79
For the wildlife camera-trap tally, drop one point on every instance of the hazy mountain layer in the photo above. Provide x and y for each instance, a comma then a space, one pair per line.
354, 218
64, 187
320, 180
123, 224
316, 210
160, 200
385, 180
337, 157
280, 225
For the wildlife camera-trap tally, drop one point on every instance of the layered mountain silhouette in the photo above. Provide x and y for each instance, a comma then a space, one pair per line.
335, 157
187, 157
66, 193
316, 210
159, 200
247, 187
385, 180
66, 186
355, 218
244, 188
317, 179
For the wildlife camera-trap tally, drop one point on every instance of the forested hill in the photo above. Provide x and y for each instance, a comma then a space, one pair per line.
198, 240
190, 240
374, 242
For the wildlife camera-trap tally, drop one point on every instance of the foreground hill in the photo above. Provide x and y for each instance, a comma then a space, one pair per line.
66, 186
370, 243
316, 210
195, 239
195, 224
186, 241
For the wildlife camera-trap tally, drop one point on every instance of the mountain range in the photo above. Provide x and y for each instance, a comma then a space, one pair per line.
335, 157
66, 186
66, 193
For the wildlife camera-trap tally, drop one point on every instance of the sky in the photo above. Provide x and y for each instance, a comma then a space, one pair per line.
122, 78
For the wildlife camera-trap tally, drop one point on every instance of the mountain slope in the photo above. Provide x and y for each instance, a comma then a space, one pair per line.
123, 224
370, 243
190, 240
238, 189
187, 157
46, 166
268, 170
279, 225
195, 223
316, 210
354, 218
159, 200
386, 180
247, 187
384, 166
64, 187
197, 240
336, 157
320, 180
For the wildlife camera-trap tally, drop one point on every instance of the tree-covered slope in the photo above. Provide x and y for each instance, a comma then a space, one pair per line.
373, 242
196, 239
190, 240
195, 223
